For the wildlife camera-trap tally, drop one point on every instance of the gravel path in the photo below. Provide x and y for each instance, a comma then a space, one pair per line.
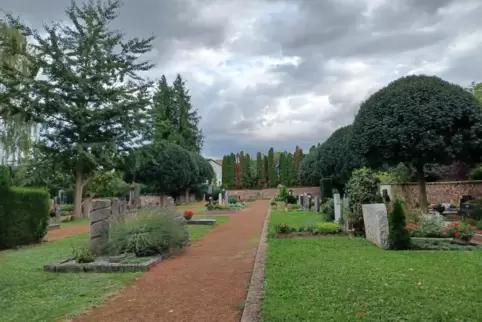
208, 282
56, 234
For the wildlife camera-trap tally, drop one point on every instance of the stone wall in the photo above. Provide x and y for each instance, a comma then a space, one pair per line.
156, 200
271, 192
437, 192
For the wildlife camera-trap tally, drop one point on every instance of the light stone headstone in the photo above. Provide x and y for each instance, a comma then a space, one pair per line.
299, 200
220, 199
337, 205
58, 213
376, 224
226, 198
317, 204
305, 199
99, 224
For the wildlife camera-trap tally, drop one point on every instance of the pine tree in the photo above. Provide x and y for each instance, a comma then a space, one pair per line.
291, 173
188, 117
224, 172
259, 170
91, 98
398, 237
247, 182
272, 175
241, 161
164, 121
282, 169
297, 158
265, 171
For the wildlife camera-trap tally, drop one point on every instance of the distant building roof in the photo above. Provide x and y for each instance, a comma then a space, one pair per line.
220, 162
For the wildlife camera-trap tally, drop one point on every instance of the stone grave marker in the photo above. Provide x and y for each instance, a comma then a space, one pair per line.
337, 205
220, 198
376, 224
305, 199
309, 202
301, 199
58, 213
226, 198
99, 224
317, 204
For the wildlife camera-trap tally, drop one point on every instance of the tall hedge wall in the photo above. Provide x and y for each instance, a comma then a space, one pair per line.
24, 216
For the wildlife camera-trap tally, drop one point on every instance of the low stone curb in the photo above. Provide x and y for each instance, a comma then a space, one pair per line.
431, 238
54, 226
220, 212
254, 299
201, 221
70, 266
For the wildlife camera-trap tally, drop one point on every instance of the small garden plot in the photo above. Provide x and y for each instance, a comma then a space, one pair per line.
300, 223
348, 279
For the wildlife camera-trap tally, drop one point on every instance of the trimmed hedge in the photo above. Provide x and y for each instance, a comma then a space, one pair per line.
24, 216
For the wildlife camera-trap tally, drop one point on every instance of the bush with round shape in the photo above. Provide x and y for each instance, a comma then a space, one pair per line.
326, 228
152, 233
398, 238
418, 120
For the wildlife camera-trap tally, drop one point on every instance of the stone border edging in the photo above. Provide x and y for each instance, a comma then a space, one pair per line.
254, 299
220, 212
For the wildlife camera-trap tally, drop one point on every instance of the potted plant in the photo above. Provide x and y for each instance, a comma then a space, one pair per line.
460, 232
188, 214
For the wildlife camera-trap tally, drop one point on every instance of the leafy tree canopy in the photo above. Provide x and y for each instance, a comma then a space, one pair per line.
418, 120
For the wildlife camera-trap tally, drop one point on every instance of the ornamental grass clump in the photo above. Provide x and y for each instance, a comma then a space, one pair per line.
398, 237
153, 233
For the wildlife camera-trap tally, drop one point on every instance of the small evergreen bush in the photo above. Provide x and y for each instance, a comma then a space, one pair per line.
326, 228
152, 233
5, 176
476, 174
399, 238
328, 209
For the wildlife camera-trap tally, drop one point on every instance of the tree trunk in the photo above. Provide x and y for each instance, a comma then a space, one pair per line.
161, 197
422, 196
186, 195
78, 194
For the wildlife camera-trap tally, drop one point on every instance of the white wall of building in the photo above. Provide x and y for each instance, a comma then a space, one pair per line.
218, 171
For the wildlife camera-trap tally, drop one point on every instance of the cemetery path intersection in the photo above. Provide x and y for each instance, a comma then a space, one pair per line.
208, 282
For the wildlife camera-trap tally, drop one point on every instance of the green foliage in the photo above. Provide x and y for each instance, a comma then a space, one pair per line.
479, 225
326, 188
309, 173
291, 200
168, 168
408, 121
326, 228
149, 234
362, 188
476, 174
100, 97
24, 216
284, 229
272, 175
107, 184
232, 199
398, 237
5, 176
82, 254
327, 208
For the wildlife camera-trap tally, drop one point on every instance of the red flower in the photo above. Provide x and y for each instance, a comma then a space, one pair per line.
457, 233
188, 213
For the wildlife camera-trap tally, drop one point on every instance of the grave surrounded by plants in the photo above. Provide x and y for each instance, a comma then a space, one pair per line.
133, 245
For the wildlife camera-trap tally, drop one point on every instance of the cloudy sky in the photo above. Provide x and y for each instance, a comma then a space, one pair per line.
283, 73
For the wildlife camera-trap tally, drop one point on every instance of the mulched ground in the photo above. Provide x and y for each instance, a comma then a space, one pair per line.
56, 234
208, 282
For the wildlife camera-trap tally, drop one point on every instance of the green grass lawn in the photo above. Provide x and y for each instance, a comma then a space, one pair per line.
292, 218
336, 278
76, 222
27, 293
197, 231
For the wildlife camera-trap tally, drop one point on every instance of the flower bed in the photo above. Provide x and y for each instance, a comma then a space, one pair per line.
318, 228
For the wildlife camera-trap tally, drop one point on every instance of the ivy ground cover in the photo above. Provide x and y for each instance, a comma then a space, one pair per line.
27, 293
348, 279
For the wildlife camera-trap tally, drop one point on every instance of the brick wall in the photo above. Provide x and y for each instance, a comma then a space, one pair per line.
437, 192
271, 192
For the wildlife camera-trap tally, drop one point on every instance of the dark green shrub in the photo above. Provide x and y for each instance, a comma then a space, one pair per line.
153, 233
398, 238
479, 225
362, 188
326, 188
233, 199
273, 203
284, 229
476, 174
328, 209
5, 176
83, 254
477, 208
24, 216
290, 199
66, 208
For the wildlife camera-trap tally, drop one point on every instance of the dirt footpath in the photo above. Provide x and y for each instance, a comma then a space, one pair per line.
56, 234
208, 282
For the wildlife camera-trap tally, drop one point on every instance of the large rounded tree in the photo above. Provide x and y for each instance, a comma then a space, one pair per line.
167, 167
418, 120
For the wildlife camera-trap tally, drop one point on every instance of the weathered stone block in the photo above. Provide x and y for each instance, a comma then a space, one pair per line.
100, 215
100, 204
99, 228
376, 224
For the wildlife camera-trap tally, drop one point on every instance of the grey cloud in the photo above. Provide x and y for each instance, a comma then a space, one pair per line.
397, 36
